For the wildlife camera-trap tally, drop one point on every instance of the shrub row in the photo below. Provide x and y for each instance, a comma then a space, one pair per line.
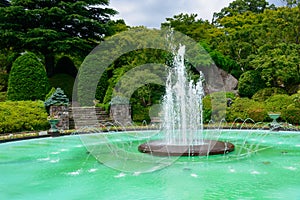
27, 79
288, 106
256, 108
17, 116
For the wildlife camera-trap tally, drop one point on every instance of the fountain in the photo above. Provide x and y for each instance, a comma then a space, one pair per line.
182, 118
108, 165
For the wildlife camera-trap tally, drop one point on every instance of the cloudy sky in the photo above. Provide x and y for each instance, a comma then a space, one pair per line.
152, 13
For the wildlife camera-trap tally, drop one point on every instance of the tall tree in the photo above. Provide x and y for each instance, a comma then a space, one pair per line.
244, 34
51, 27
4, 3
278, 65
242, 6
189, 25
292, 3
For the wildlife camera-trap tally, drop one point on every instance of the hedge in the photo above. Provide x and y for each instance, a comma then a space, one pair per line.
27, 79
278, 102
266, 93
18, 116
288, 106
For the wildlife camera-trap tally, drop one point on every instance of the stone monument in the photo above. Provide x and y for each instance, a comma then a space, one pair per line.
58, 105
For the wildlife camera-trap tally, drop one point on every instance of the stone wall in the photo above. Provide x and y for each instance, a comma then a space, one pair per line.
62, 112
121, 114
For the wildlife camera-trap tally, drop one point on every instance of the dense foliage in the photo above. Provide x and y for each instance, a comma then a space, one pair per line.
17, 116
27, 79
65, 66
63, 81
53, 27
287, 106
249, 83
242, 6
256, 36
252, 40
265, 93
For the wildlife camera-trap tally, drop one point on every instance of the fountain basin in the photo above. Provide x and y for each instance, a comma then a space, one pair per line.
60, 168
207, 147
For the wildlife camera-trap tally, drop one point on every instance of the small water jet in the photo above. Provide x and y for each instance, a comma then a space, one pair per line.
182, 117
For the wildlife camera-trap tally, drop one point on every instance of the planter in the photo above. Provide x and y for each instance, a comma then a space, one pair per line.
274, 123
53, 131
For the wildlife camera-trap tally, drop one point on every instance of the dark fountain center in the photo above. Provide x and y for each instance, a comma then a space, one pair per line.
208, 147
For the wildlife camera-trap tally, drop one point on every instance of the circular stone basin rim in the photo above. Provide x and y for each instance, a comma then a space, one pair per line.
208, 147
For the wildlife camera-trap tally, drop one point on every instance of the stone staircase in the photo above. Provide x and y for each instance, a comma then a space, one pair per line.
87, 116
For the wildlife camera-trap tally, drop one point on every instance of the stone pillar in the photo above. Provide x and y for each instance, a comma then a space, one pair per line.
62, 112
121, 113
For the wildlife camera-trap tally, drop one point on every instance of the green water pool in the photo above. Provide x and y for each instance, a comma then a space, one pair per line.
61, 168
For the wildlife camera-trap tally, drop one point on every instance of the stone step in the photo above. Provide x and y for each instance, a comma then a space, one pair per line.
87, 116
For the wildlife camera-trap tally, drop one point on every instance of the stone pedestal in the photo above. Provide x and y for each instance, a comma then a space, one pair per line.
53, 131
62, 112
121, 114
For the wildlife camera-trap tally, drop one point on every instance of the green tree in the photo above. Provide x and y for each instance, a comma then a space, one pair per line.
266, 93
241, 6
52, 27
248, 36
117, 26
28, 79
224, 62
4, 3
189, 25
279, 65
291, 3
249, 83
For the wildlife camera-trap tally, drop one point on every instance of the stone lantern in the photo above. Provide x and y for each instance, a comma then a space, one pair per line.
58, 106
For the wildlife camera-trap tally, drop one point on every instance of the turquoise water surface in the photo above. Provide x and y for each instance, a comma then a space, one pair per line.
263, 166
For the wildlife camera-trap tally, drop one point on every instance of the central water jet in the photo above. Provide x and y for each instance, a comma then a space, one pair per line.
182, 119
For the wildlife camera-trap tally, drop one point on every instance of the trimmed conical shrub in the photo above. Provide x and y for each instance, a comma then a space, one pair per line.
28, 79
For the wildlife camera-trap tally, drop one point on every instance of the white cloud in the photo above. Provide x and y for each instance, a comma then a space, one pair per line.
152, 13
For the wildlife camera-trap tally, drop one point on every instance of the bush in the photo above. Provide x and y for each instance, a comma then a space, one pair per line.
220, 102
278, 102
206, 102
140, 113
3, 81
296, 99
28, 79
2, 96
288, 106
249, 83
265, 93
244, 108
238, 109
17, 116
291, 115
257, 111
106, 107
50, 93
